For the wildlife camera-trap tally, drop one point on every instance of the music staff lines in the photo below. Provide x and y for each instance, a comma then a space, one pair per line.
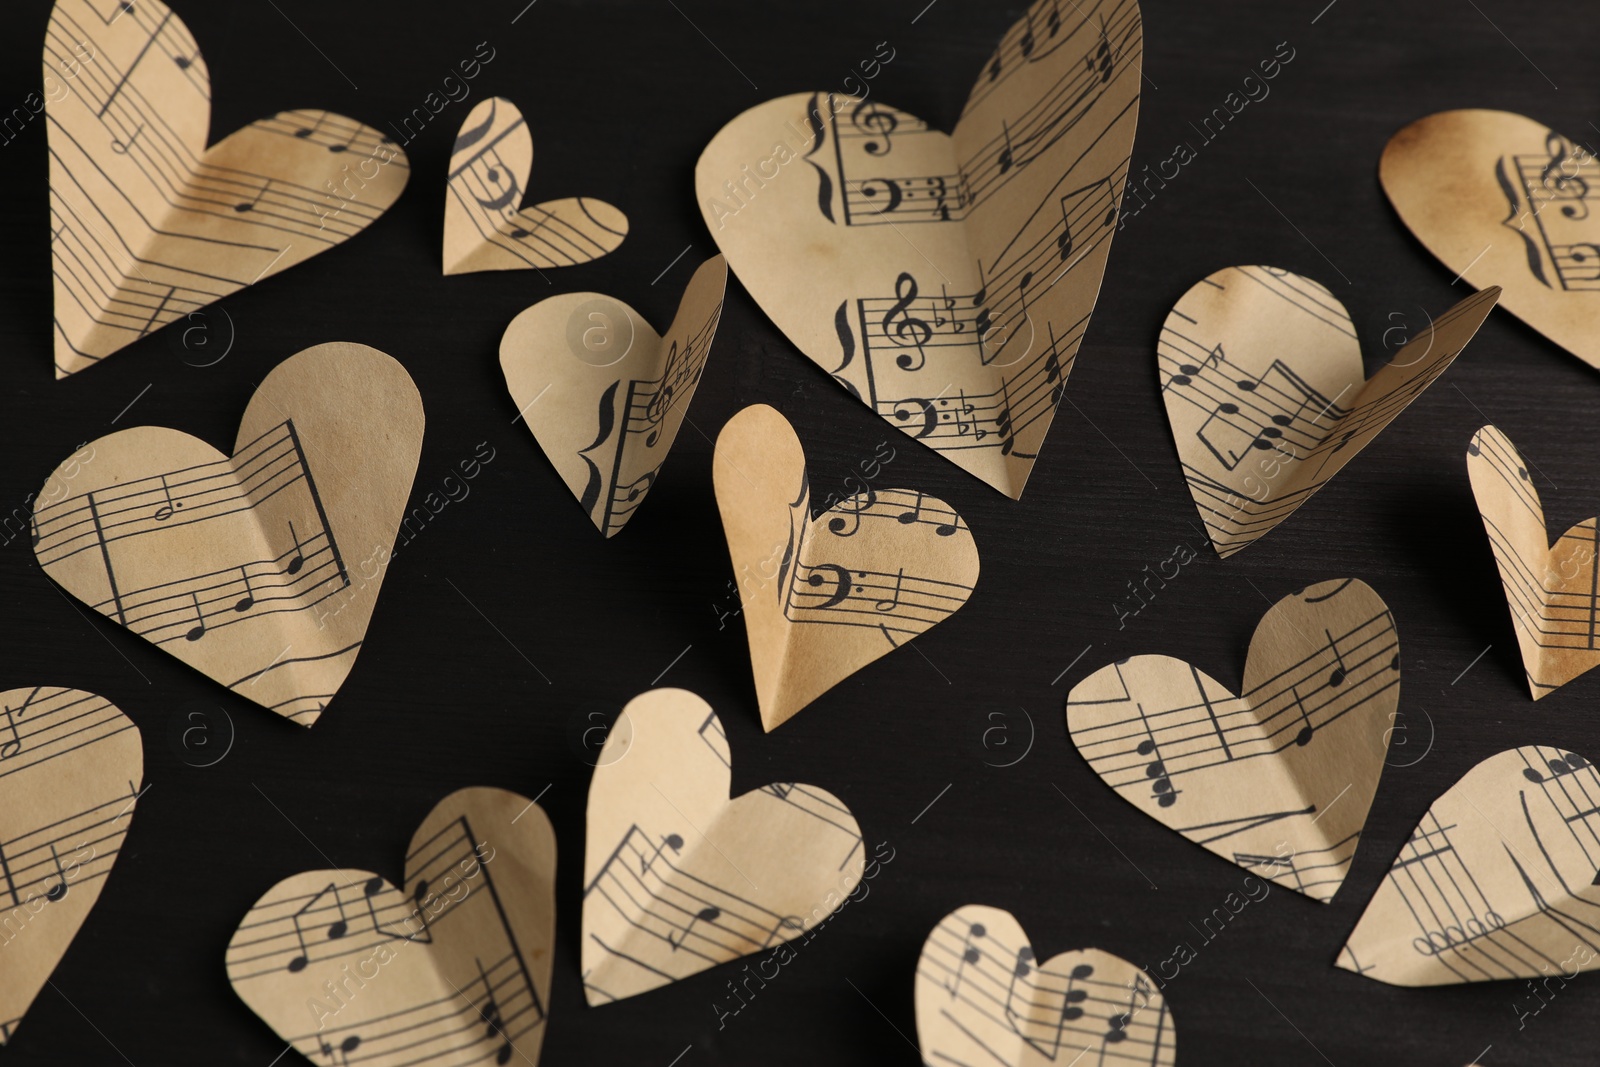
33, 863
53, 725
1020, 48
1302, 294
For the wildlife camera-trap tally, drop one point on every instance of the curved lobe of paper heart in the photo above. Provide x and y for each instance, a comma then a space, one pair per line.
450, 968
823, 597
1278, 779
1497, 881
485, 225
148, 225
261, 569
603, 394
71, 768
983, 996
677, 877
1501, 199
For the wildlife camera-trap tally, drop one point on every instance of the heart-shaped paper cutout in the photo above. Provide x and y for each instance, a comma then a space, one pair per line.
1501, 199
260, 569
1279, 778
71, 768
450, 968
676, 876
485, 225
603, 393
1262, 377
823, 597
1498, 880
983, 996
944, 280
148, 225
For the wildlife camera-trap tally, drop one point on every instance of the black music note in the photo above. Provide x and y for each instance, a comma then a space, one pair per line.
250, 205
1570, 764
970, 953
336, 929
709, 914
1161, 783
492, 1017
672, 841
58, 891
248, 601
198, 630
13, 746
299, 558
1339, 673
1006, 158
347, 1046
1303, 738
1070, 1010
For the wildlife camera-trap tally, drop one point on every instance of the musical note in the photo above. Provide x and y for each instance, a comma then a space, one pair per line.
709, 914
58, 892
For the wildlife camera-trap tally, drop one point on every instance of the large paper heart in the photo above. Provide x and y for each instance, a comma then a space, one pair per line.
71, 768
1504, 200
260, 569
1261, 373
485, 225
1279, 778
148, 225
1498, 880
983, 996
823, 597
944, 280
604, 394
449, 968
676, 876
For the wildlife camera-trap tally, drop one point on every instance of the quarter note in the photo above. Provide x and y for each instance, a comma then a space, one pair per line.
345, 1047
59, 890
1004, 159
492, 1017
1339, 673
298, 560
709, 914
1161, 783
1303, 738
970, 954
250, 205
198, 630
672, 841
248, 601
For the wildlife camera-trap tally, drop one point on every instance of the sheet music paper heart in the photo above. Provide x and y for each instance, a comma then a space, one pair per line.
259, 569
1261, 373
451, 967
1502, 199
1279, 778
604, 394
148, 225
1497, 881
983, 996
71, 769
945, 280
677, 877
485, 225
824, 596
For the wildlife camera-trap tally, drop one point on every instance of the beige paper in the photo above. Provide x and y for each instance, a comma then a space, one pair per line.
983, 996
1278, 779
148, 225
1262, 377
260, 569
825, 596
451, 967
485, 225
604, 394
1503, 200
677, 877
1496, 882
944, 280
1550, 588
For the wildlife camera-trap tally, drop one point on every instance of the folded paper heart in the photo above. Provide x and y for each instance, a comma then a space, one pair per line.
823, 597
677, 877
1261, 373
603, 394
944, 280
70, 772
983, 996
1497, 881
450, 967
1279, 778
148, 225
260, 569
485, 225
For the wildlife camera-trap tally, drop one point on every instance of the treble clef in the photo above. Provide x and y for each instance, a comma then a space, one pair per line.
1555, 177
904, 328
871, 118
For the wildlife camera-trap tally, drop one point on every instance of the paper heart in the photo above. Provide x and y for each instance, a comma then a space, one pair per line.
604, 394
1497, 881
823, 597
148, 225
944, 280
983, 996
1262, 378
677, 877
70, 772
1502, 199
259, 569
1278, 779
450, 968
485, 225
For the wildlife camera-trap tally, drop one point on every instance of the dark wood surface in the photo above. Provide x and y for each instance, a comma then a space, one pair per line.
508, 621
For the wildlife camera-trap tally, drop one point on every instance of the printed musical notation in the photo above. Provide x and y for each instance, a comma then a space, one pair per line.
1252, 777
485, 225
1262, 377
984, 997
1547, 200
